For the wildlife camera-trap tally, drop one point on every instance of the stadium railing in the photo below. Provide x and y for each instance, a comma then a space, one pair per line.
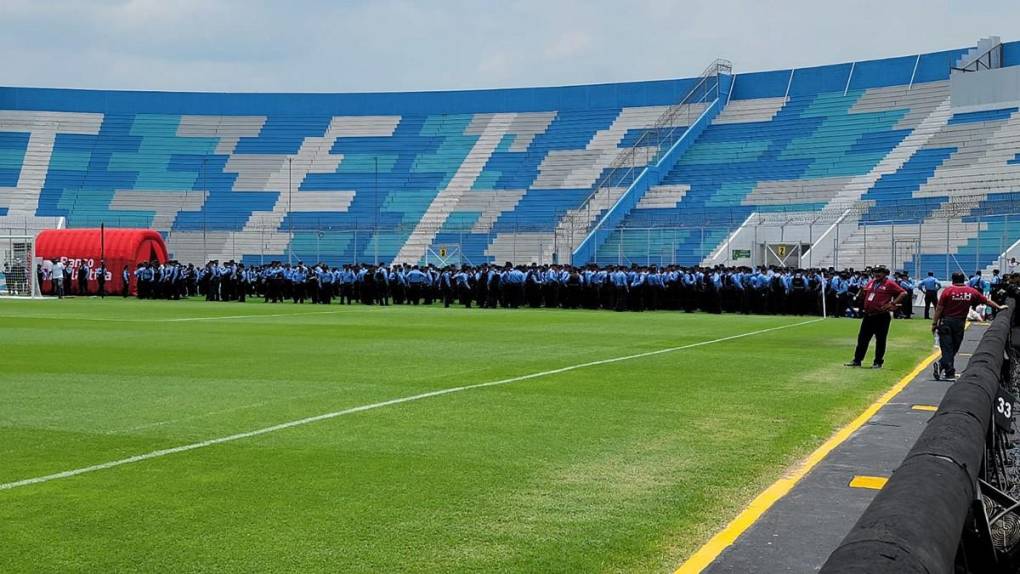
971, 233
952, 505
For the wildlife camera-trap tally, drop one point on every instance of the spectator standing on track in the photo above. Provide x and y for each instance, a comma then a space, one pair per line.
949, 320
881, 296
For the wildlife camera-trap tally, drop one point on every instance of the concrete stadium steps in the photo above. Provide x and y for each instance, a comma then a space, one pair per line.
746, 111
522, 247
235, 158
462, 181
660, 246
663, 196
957, 186
583, 170
575, 223
22, 195
886, 244
825, 150
835, 210
684, 124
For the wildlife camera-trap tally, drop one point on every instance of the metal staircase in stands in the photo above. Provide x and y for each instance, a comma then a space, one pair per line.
628, 176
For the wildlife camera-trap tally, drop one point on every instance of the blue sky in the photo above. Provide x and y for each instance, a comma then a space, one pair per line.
389, 45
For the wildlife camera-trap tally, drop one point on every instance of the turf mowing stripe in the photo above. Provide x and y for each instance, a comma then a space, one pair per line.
391, 402
213, 318
780, 488
178, 320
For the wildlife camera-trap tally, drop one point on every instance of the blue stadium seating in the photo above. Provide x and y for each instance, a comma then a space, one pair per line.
500, 173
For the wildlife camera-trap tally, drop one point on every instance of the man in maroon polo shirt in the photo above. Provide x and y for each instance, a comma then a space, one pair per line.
879, 298
949, 320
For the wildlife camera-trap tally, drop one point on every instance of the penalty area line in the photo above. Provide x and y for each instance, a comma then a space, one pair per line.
353, 410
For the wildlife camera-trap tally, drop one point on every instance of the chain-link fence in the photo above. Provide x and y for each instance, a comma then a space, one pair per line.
966, 233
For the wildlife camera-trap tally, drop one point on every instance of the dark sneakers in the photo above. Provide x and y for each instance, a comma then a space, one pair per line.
936, 370
855, 365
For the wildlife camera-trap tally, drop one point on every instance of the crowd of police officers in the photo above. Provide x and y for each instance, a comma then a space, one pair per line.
759, 290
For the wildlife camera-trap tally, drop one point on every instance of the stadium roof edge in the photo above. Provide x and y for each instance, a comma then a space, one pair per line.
900, 70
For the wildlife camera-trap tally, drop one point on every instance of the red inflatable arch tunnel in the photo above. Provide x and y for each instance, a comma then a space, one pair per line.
122, 247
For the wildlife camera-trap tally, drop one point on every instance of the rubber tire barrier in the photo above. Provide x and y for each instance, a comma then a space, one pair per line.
915, 522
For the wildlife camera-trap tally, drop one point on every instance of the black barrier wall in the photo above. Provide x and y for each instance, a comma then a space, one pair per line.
916, 521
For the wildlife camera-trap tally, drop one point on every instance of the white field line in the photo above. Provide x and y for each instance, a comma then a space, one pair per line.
264, 403
305, 421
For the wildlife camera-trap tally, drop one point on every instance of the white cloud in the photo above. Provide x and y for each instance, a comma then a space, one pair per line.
571, 43
380, 45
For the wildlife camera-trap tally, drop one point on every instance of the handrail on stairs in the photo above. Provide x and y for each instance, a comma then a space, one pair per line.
626, 163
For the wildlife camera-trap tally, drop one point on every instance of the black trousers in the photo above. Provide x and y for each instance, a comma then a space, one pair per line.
876, 326
950, 338
931, 299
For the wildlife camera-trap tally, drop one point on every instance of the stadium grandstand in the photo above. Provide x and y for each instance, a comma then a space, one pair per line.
911, 161
754, 225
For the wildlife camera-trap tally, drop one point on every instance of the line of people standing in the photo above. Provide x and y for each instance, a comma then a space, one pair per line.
761, 290
67, 279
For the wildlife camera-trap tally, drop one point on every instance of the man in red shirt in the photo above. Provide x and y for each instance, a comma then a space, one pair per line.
949, 320
880, 297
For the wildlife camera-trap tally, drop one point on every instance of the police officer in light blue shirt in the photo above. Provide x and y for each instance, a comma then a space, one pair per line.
907, 305
381, 285
347, 278
618, 278
493, 287
930, 286
513, 290
462, 281
977, 282
416, 280
298, 281
325, 277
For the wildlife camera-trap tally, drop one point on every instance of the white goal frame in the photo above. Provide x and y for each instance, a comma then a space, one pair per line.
18, 263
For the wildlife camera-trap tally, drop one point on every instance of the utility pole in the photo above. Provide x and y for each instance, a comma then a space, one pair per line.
290, 205
205, 212
375, 201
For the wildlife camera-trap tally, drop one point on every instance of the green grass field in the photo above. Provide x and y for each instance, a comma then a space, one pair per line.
625, 466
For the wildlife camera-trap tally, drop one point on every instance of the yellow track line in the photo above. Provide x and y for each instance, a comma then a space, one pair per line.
727, 536
869, 482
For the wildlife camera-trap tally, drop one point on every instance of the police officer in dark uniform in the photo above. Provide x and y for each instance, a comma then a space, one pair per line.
930, 285
125, 277
101, 279
83, 278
